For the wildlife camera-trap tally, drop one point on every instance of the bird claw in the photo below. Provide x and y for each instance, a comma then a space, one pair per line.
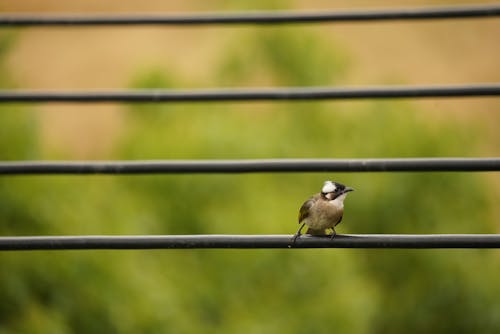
297, 235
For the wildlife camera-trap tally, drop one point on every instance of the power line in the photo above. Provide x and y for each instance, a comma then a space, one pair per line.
257, 94
250, 241
274, 17
250, 166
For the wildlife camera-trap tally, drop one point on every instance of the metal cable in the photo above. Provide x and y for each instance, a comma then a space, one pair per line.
257, 94
250, 241
274, 17
250, 166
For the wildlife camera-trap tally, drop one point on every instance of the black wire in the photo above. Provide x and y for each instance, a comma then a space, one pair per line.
259, 94
250, 241
251, 166
275, 17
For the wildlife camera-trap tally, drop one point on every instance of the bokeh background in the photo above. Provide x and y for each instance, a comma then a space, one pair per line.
248, 291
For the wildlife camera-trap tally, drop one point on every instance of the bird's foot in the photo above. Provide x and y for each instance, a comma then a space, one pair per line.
297, 235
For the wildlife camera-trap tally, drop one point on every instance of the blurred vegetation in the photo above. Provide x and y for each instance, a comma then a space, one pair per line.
250, 291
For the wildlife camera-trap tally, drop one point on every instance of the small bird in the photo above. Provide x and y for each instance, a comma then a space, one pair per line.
323, 210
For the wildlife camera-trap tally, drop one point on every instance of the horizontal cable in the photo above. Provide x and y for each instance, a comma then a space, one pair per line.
250, 241
250, 166
258, 94
274, 17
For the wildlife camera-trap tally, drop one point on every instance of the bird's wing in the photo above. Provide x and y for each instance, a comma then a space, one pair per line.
340, 219
304, 209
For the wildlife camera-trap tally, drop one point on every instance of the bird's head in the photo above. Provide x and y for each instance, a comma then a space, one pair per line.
332, 190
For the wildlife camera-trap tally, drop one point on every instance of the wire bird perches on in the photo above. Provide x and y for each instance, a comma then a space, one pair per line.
256, 94
270, 17
251, 166
250, 241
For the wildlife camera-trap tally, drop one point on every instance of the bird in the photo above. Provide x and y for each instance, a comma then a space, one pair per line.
324, 210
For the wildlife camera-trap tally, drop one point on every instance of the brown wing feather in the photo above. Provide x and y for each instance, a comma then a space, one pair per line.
304, 209
340, 220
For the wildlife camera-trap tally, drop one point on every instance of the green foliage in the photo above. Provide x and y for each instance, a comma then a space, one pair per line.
260, 291
287, 58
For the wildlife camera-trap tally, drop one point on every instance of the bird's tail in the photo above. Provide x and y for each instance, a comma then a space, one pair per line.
312, 231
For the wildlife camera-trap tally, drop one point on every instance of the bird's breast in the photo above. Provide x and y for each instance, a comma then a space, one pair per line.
325, 214
337, 204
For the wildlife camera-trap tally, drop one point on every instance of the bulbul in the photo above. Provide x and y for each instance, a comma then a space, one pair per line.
323, 210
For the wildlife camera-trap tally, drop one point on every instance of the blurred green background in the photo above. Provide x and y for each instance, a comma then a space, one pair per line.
247, 291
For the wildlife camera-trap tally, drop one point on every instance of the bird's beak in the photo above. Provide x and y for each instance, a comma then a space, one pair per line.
347, 189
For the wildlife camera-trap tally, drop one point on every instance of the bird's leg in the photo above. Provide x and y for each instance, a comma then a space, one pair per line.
334, 233
297, 234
